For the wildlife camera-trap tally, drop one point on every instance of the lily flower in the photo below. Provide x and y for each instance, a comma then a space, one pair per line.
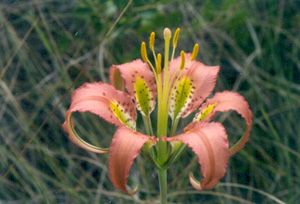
176, 91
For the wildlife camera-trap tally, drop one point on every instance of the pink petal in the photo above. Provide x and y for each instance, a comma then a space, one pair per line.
115, 78
139, 81
177, 61
100, 99
125, 147
105, 101
209, 142
195, 84
224, 102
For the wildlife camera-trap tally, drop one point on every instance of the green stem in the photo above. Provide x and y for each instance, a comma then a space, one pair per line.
178, 153
162, 175
174, 127
148, 125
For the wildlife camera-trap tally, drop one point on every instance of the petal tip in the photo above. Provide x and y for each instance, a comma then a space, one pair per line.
132, 192
123, 151
195, 183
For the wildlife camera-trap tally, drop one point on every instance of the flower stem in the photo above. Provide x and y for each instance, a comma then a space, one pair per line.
174, 127
148, 125
162, 175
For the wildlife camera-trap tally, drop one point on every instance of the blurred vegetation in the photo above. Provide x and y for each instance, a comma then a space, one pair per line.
45, 44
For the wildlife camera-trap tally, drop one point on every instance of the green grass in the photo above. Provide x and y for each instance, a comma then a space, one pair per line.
45, 44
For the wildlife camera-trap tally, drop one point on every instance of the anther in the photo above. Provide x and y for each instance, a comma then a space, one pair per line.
158, 63
175, 38
144, 52
182, 60
195, 52
151, 41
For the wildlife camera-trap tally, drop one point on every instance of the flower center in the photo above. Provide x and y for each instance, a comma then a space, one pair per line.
173, 90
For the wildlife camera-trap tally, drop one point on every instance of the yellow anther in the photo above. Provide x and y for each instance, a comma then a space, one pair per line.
144, 52
158, 63
182, 60
195, 52
167, 34
151, 41
175, 38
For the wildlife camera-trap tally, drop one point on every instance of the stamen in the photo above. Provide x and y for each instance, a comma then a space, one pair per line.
144, 52
175, 38
182, 60
151, 41
195, 52
158, 63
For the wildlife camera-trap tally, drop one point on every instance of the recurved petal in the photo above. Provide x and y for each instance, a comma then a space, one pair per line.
223, 102
209, 142
194, 85
125, 147
105, 101
68, 126
139, 80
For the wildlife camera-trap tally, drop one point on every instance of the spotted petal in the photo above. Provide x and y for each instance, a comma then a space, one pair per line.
209, 142
194, 85
139, 81
224, 102
105, 101
125, 147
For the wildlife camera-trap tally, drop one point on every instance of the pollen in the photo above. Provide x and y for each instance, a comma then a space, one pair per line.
151, 41
144, 52
158, 63
182, 60
175, 38
195, 52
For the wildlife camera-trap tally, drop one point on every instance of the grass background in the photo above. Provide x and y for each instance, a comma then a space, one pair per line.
45, 44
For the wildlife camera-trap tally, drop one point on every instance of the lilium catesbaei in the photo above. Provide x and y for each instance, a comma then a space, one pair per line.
179, 89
